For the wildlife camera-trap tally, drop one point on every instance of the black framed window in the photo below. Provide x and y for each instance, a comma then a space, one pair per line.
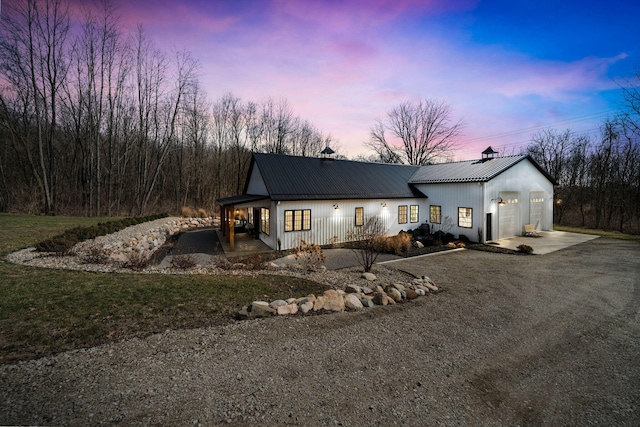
435, 214
414, 213
402, 214
359, 217
465, 217
264, 221
297, 220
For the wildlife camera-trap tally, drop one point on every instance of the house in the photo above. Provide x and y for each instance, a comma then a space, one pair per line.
321, 200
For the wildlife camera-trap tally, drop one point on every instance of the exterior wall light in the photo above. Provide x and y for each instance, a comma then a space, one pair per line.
499, 200
336, 207
383, 204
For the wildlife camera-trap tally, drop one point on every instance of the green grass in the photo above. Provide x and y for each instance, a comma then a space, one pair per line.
603, 233
45, 311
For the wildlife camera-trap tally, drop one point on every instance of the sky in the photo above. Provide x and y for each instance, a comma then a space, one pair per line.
506, 68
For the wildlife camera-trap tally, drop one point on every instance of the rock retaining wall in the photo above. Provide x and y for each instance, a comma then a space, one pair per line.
141, 240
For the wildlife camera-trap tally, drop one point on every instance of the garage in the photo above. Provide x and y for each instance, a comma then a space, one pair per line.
536, 208
509, 215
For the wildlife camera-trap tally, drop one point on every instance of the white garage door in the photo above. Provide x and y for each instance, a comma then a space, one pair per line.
536, 209
509, 215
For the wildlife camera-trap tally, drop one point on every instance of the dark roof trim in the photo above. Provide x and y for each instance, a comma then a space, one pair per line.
242, 198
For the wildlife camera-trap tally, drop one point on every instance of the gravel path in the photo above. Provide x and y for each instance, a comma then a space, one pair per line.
540, 340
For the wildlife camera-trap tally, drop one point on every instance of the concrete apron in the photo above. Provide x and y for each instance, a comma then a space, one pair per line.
549, 241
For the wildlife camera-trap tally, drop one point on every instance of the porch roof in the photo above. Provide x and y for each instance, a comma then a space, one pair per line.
241, 198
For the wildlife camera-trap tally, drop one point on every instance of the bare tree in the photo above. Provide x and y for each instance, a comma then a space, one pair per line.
369, 241
33, 60
422, 133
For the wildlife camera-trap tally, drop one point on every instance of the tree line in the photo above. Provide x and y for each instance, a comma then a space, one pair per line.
598, 177
95, 120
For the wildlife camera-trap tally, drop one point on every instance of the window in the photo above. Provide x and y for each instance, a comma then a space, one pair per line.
402, 214
414, 216
264, 220
359, 217
465, 217
297, 220
435, 214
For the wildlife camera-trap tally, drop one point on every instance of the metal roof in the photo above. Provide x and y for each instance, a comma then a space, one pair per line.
310, 178
242, 198
470, 171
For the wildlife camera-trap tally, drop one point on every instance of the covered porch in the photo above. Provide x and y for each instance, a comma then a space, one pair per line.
238, 221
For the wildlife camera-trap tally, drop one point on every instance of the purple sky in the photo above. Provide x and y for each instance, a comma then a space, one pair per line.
507, 68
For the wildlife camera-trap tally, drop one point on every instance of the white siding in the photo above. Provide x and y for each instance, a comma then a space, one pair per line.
329, 225
256, 183
451, 197
522, 179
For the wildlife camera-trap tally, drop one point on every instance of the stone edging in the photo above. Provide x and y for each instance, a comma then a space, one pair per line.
354, 297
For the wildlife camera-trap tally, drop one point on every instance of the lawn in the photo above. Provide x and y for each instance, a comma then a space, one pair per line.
45, 311
603, 233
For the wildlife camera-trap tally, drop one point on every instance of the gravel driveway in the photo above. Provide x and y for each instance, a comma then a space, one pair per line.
537, 340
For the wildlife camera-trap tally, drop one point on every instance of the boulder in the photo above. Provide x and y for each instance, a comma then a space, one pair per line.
399, 286
394, 294
287, 309
366, 290
411, 294
380, 298
431, 286
369, 276
418, 244
306, 306
420, 292
277, 303
352, 289
352, 301
333, 301
367, 303
259, 310
318, 304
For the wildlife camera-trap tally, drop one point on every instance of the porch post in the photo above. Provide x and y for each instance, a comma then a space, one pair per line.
231, 238
223, 220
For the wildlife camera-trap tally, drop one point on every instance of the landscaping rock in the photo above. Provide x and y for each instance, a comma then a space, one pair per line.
333, 301
367, 303
318, 304
284, 310
394, 294
411, 294
380, 298
368, 276
277, 303
352, 289
305, 306
366, 290
352, 301
259, 310
420, 292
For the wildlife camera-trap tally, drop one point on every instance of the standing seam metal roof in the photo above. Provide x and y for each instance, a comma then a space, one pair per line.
470, 170
310, 178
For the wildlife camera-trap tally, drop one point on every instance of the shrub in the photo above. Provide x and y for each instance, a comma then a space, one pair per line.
399, 243
202, 213
184, 261
65, 241
463, 238
525, 249
187, 212
310, 255
95, 254
136, 260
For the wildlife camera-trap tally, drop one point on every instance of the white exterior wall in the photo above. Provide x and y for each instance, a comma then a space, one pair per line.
450, 197
523, 179
327, 222
256, 183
